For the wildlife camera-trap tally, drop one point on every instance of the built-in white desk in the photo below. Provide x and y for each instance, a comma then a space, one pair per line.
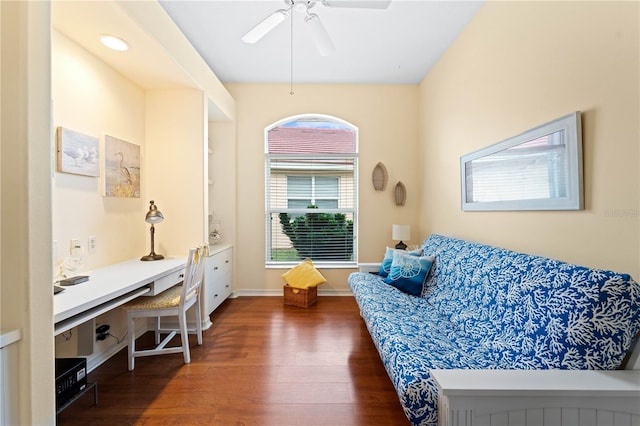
112, 286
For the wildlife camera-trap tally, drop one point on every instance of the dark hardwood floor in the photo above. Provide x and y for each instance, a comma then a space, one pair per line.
262, 363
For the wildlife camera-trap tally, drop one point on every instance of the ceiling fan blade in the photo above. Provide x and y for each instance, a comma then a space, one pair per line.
266, 25
358, 4
320, 35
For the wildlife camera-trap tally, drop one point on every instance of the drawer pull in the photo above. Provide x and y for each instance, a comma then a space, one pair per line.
181, 276
226, 261
215, 268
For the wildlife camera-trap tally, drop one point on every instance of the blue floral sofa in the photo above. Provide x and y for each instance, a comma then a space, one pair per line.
485, 307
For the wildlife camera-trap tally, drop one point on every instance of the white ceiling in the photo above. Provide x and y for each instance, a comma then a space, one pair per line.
397, 45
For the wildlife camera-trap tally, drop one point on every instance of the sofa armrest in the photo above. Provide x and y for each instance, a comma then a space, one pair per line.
369, 267
526, 396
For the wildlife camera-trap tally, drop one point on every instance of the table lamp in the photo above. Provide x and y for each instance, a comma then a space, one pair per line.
153, 216
399, 233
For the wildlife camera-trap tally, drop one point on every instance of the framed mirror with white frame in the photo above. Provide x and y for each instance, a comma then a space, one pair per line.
540, 169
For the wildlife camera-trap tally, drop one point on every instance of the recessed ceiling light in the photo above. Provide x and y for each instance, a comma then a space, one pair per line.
114, 42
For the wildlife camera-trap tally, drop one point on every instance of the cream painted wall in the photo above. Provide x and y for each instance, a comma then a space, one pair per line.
222, 179
91, 98
521, 64
387, 120
177, 167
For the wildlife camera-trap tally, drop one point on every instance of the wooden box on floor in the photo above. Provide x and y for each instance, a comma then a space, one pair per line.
301, 297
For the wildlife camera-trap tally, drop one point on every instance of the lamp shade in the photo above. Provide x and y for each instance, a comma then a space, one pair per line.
400, 232
153, 215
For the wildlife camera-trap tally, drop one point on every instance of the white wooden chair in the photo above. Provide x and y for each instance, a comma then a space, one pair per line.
175, 301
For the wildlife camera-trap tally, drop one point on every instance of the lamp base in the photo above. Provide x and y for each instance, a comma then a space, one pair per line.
152, 256
401, 246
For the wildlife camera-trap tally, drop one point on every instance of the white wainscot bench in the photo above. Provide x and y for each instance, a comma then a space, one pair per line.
538, 397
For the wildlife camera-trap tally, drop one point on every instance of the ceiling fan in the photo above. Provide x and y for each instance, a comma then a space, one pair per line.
318, 32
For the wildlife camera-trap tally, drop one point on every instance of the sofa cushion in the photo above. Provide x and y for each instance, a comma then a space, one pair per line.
528, 311
411, 338
385, 266
408, 273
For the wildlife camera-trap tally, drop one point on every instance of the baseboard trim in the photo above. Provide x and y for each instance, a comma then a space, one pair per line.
264, 292
98, 358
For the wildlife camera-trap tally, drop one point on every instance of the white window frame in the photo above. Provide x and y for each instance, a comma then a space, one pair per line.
270, 211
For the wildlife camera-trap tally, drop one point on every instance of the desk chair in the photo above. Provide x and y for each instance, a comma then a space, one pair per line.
175, 301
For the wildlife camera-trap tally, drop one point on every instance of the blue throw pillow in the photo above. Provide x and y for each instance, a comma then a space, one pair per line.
408, 273
385, 266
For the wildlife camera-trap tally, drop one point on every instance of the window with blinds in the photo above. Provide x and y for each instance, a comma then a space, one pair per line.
311, 191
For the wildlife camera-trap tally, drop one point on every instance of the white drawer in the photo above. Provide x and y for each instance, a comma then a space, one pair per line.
222, 262
168, 281
221, 289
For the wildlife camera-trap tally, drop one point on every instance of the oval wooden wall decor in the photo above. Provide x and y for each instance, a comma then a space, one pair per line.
400, 194
380, 177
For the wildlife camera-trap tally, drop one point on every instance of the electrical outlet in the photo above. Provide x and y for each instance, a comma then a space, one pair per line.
103, 328
75, 248
102, 332
91, 244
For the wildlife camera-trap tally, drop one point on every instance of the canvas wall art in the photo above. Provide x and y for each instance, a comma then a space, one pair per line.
122, 168
77, 153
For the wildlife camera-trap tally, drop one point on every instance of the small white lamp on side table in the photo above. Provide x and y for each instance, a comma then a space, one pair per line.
399, 233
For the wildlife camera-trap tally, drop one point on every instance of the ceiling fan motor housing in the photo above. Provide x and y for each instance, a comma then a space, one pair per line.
301, 6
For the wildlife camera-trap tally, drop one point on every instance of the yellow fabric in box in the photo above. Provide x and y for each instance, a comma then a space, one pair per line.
304, 275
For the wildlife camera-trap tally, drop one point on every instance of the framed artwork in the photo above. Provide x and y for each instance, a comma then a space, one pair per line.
122, 168
77, 153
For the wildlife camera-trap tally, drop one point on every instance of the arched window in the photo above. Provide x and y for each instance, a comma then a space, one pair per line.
311, 175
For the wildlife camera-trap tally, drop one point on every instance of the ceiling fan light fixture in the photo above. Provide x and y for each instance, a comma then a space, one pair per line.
300, 6
320, 35
266, 25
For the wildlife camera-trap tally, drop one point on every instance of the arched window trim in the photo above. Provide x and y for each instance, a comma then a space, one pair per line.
313, 117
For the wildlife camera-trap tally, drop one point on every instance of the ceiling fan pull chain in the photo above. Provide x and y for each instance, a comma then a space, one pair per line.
291, 92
